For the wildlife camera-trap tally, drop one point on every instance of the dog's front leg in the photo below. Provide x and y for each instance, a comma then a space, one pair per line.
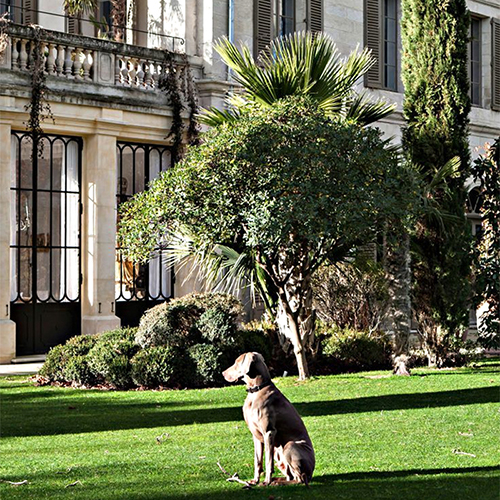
258, 447
269, 447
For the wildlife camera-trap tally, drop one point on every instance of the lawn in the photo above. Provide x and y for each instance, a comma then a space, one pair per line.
435, 435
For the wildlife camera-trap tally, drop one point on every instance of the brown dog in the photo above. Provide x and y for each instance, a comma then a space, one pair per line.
274, 423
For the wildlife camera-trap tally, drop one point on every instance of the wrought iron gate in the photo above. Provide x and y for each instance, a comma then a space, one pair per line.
45, 240
139, 287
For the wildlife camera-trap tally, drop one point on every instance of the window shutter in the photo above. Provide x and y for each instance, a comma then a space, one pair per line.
495, 63
373, 22
30, 11
315, 15
263, 19
73, 25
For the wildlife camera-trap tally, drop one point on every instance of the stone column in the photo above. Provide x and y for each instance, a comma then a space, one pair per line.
99, 234
7, 327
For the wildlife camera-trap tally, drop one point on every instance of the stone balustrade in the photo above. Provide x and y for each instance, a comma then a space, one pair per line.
85, 59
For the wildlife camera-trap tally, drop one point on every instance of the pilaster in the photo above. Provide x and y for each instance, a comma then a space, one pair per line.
99, 234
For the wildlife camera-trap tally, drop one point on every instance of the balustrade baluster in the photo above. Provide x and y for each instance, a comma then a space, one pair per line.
23, 55
51, 60
118, 70
87, 65
68, 63
124, 71
60, 60
14, 54
132, 72
148, 80
140, 73
77, 66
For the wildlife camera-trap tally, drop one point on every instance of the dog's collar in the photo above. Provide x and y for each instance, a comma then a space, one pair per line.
257, 388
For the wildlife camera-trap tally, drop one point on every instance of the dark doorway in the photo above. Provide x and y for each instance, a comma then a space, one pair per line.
45, 240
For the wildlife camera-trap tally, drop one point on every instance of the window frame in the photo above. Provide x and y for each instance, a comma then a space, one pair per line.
475, 59
375, 38
278, 17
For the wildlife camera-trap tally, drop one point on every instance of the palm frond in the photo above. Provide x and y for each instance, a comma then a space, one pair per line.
301, 64
214, 116
220, 267
364, 111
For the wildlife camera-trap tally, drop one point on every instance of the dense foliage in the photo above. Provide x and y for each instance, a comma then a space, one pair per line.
289, 185
351, 294
487, 171
436, 107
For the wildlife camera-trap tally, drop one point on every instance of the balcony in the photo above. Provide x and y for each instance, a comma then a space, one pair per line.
92, 69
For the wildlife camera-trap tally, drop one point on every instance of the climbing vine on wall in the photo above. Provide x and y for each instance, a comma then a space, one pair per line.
38, 107
180, 91
4, 37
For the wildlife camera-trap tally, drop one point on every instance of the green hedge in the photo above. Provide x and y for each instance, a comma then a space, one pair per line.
346, 350
187, 342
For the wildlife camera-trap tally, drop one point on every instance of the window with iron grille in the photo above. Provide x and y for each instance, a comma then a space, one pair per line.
45, 224
137, 164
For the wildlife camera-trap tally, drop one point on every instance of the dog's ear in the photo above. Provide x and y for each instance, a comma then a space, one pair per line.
248, 367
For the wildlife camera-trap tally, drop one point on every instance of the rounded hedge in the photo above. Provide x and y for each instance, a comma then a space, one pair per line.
184, 322
109, 359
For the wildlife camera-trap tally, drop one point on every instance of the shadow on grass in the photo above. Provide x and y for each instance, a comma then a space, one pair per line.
471, 483
80, 412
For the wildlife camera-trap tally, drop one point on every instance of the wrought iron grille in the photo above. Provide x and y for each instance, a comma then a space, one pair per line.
46, 219
137, 165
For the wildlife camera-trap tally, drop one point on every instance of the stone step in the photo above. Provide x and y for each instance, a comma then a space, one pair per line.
35, 358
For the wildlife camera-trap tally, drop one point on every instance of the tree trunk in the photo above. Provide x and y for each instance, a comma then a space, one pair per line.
399, 315
290, 336
295, 316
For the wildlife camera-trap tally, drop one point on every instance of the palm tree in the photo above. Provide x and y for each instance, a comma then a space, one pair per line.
299, 64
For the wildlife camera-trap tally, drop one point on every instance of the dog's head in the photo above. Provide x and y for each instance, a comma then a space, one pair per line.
248, 366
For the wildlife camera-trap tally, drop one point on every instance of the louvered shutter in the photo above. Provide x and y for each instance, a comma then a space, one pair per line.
73, 25
315, 15
30, 11
373, 22
263, 22
495, 63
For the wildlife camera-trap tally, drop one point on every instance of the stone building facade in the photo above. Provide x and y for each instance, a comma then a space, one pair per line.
108, 137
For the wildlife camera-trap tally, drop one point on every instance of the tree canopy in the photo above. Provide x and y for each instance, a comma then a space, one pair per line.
286, 183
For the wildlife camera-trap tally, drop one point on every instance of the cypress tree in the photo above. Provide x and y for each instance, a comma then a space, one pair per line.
434, 72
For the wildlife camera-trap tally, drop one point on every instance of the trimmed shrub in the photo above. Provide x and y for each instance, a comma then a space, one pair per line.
162, 366
77, 369
350, 350
178, 322
55, 368
109, 359
209, 362
52, 368
216, 325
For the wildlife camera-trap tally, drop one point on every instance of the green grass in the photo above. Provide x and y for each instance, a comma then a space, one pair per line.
376, 437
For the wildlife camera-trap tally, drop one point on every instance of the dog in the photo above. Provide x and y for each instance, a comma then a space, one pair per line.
276, 426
